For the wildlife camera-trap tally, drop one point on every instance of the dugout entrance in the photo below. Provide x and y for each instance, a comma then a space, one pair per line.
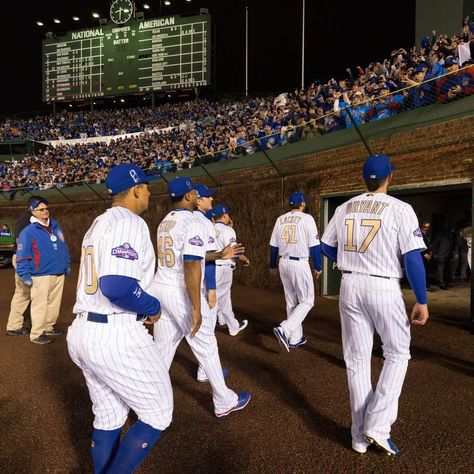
437, 202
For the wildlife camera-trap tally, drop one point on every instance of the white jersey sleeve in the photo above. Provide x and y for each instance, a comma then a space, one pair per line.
410, 236
225, 236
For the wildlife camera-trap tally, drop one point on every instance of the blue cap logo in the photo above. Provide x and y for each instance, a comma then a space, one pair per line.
219, 210
204, 191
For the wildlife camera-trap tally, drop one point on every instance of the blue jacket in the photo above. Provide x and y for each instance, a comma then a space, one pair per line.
38, 255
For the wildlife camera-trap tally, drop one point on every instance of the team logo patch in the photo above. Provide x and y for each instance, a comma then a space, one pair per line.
232, 240
196, 240
417, 233
19, 247
211, 240
61, 235
125, 251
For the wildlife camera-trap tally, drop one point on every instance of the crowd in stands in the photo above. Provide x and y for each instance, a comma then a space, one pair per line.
177, 136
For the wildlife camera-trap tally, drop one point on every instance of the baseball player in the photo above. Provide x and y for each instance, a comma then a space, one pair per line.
108, 341
227, 252
369, 236
182, 245
224, 271
295, 239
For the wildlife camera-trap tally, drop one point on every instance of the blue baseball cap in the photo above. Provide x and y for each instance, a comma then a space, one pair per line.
451, 61
220, 209
204, 191
34, 204
377, 167
296, 198
180, 186
125, 176
209, 214
419, 68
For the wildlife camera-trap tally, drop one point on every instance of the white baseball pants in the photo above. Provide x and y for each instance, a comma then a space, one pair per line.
123, 369
225, 313
298, 285
369, 304
176, 323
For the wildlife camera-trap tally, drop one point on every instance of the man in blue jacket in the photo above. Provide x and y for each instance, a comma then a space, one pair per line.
42, 263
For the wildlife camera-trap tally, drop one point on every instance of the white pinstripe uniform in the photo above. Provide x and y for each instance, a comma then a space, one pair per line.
224, 273
120, 361
294, 233
372, 231
183, 233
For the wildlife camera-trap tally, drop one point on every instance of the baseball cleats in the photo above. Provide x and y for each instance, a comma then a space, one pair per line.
18, 332
281, 337
385, 445
301, 342
225, 373
360, 445
242, 325
242, 402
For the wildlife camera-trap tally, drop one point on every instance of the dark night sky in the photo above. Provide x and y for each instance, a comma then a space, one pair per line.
338, 35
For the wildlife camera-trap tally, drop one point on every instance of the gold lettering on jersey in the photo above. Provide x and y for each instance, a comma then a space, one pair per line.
366, 207
166, 226
290, 220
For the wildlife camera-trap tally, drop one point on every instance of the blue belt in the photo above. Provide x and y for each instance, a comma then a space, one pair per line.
376, 276
294, 258
104, 319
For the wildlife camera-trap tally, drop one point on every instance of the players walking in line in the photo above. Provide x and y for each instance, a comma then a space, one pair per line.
295, 239
108, 341
368, 236
178, 283
224, 271
42, 262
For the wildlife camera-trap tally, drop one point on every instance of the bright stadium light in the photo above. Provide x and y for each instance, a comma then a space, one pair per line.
40, 23
189, 1
95, 15
167, 3
146, 6
75, 18
122, 100
57, 21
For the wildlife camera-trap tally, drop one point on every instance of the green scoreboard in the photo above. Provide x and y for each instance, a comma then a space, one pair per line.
140, 56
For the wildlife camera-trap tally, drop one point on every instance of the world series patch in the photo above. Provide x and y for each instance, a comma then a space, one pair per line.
196, 240
125, 251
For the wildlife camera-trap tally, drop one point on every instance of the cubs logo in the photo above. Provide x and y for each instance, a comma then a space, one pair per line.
20, 247
61, 235
196, 240
211, 240
125, 251
417, 233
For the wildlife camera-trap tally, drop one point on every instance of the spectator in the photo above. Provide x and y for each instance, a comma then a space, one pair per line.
42, 263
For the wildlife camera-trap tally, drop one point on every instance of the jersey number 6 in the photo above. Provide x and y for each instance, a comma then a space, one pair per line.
165, 251
374, 225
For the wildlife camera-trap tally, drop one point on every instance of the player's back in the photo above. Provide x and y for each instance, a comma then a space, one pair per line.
179, 230
225, 236
117, 243
294, 233
373, 230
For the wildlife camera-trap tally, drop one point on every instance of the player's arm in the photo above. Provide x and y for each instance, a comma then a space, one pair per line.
192, 278
314, 245
126, 293
416, 275
228, 252
328, 251
210, 280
